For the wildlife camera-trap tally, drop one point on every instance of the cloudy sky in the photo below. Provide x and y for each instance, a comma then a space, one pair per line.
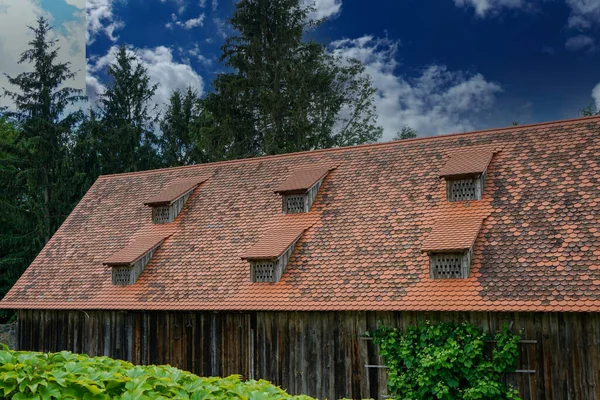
440, 66
68, 19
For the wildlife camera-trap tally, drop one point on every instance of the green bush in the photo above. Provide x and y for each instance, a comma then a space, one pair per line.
64, 375
447, 361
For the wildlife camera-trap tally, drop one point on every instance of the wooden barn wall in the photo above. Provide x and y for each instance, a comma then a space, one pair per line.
317, 353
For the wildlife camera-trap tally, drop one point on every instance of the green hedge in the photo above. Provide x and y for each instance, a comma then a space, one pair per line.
64, 375
447, 361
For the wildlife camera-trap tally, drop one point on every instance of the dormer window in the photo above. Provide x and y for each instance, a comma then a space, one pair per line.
298, 192
450, 265
170, 201
464, 189
128, 263
450, 246
269, 256
465, 174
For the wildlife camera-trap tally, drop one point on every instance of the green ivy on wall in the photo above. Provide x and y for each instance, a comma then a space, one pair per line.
447, 361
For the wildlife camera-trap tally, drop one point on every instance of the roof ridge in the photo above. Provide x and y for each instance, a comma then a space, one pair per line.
360, 146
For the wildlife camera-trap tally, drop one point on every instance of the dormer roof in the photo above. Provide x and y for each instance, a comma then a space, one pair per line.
135, 250
173, 191
276, 239
363, 251
453, 233
302, 180
466, 163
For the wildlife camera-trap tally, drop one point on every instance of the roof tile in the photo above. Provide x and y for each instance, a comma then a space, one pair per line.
368, 225
453, 233
276, 239
464, 163
136, 249
173, 191
302, 180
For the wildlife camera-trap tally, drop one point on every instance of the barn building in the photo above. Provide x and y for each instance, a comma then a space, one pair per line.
274, 267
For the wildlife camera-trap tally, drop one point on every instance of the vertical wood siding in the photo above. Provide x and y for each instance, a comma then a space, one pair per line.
316, 353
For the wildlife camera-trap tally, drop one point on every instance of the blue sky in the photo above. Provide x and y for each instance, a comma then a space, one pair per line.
440, 66
68, 19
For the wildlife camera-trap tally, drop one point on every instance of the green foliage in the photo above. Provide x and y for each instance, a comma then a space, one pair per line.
124, 133
36, 136
64, 375
406, 133
284, 93
590, 110
44, 128
20, 238
178, 125
447, 361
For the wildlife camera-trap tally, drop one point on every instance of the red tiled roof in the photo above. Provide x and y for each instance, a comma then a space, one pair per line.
538, 248
453, 233
276, 239
302, 180
463, 163
173, 191
136, 249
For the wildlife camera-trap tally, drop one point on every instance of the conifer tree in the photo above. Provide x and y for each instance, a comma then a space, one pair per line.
406, 133
41, 102
36, 194
126, 139
176, 145
285, 93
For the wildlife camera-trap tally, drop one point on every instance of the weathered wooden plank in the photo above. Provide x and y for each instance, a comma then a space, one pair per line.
362, 356
315, 353
595, 352
284, 350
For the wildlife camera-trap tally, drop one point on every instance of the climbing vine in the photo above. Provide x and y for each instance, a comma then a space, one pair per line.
447, 361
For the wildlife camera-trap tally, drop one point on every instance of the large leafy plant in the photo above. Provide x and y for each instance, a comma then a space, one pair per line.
447, 361
64, 375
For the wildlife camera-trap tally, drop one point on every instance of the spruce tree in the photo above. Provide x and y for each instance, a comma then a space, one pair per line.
20, 236
285, 93
176, 146
41, 103
406, 133
126, 139
36, 194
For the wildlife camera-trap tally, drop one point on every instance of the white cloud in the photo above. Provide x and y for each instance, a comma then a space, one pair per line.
93, 88
76, 3
163, 70
584, 13
180, 4
100, 19
580, 42
436, 101
197, 54
483, 7
214, 4
194, 22
596, 96
189, 24
14, 38
323, 8
221, 26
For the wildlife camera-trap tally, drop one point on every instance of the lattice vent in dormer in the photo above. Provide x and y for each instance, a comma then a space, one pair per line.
128, 263
450, 265
270, 254
450, 245
465, 174
465, 189
167, 205
299, 191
